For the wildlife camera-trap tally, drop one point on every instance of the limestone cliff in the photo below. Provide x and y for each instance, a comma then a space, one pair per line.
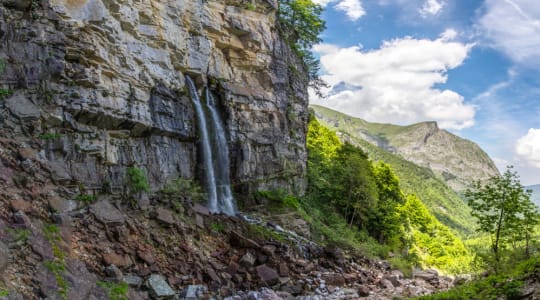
93, 87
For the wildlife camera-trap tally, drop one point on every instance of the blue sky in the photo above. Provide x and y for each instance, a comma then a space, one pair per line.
472, 66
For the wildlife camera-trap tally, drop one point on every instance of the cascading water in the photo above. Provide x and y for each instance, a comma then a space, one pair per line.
221, 160
207, 150
215, 159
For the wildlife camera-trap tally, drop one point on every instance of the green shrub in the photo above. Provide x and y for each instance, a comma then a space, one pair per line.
19, 235
49, 136
4, 93
86, 199
217, 227
116, 291
181, 188
4, 293
137, 180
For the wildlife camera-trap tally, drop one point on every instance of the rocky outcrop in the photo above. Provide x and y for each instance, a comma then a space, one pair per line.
100, 85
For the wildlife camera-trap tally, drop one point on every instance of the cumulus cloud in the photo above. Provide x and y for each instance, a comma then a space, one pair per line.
431, 8
528, 147
513, 26
352, 8
396, 83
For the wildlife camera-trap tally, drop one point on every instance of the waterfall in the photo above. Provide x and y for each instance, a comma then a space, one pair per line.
215, 153
221, 160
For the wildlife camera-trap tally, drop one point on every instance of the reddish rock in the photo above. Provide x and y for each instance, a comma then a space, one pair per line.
267, 275
363, 291
334, 279
20, 204
146, 255
117, 260
232, 268
27, 153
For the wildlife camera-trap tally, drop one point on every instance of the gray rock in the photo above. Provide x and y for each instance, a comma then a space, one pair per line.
165, 216
193, 292
113, 272
159, 286
106, 213
248, 260
22, 107
41, 246
133, 280
81, 282
21, 219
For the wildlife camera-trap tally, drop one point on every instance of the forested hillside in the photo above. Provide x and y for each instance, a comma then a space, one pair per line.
373, 207
443, 202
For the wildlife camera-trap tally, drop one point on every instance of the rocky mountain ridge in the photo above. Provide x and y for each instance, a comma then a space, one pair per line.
454, 160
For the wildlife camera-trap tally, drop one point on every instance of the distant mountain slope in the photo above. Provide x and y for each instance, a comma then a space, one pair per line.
536, 193
452, 159
443, 202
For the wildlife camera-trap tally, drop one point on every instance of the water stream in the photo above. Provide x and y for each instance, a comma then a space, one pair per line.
215, 153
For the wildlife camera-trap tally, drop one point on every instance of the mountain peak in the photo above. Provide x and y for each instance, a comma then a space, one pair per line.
455, 160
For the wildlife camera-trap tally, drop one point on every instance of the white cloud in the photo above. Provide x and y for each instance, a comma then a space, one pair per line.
431, 8
513, 26
449, 34
397, 82
352, 8
528, 147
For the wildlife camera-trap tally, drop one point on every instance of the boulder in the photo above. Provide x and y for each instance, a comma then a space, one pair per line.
133, 280
193, 292
248, 260
159, 286
165, 216
106, 213
238, 240
267, 275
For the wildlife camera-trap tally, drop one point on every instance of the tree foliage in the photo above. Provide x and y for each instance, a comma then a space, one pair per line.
350, 193
301, 25
503, 210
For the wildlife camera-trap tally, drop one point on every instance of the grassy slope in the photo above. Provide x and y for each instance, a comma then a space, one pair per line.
442, 201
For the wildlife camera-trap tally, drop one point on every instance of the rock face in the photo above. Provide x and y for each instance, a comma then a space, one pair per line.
101, 83
455, 160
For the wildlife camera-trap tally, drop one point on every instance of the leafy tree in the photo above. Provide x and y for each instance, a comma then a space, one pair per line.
301, 24
502, 208
385, 222
358, 197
